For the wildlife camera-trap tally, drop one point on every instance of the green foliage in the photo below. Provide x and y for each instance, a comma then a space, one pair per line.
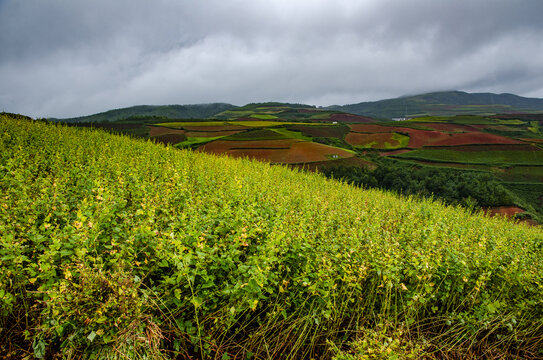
182, 124
451, 185
382, 344
511, 157
291, 134
113, 247
194, 142
263, 116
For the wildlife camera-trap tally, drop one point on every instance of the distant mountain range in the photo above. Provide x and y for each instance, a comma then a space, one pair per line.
197, 111
445, 103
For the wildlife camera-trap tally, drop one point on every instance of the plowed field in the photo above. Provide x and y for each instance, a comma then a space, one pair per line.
276, 151
170, 138
222, 146
472, 138
159, 130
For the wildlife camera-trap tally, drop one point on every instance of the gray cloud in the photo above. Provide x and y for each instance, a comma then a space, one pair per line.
68, 58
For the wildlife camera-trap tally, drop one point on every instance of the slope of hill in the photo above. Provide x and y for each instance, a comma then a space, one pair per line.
134, 113
444, 103
112, 245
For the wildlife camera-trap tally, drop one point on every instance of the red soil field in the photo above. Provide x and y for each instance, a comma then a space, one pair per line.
287, 151
420, 138
362, 139
211, 133
472, 138
309, 151
508, 211
352, 161
170, 138
493, 147
279, 155
350, 118
222, 146
532, 140
159, 130
450, 127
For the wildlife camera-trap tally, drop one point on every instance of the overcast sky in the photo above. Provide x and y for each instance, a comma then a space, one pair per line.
61, 58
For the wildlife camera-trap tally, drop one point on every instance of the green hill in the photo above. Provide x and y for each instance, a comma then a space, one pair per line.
444, 103
113, 247
143, 112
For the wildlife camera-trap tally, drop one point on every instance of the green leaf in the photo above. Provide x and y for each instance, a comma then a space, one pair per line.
39, 348
91, 336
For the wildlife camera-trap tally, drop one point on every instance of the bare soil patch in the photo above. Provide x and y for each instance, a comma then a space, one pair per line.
223, 146
286, 151
170, 138
160, 130
472, 138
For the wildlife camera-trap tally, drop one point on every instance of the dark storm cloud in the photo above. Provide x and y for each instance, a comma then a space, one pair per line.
67, 58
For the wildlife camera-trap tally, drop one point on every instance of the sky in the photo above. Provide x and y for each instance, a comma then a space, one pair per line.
64, 58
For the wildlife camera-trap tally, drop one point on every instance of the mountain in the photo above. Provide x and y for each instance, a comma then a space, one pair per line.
197, 111
444, 103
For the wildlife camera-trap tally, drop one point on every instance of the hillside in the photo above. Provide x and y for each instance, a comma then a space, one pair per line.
142, 112
115, 247
446, 103
470, 160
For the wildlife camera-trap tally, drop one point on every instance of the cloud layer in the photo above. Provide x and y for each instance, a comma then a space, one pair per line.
65, 58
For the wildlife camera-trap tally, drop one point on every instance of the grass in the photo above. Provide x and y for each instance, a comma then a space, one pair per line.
191, 141
115, 246
292, 134
258, 134
476, 157
263, 116
258, 123
530, 196
522, 173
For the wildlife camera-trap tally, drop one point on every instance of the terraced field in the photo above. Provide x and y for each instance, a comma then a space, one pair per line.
496, 157
377, 141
